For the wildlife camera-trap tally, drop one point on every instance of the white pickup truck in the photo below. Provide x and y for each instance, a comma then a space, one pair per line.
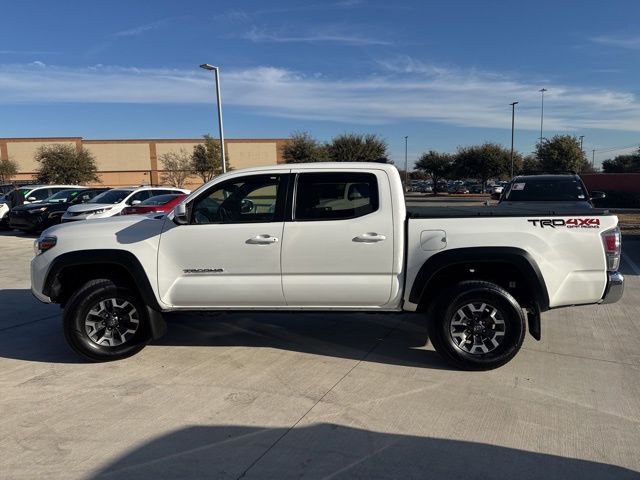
333, 236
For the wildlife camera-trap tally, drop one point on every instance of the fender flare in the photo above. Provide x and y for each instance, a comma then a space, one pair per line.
121, 258
519, 258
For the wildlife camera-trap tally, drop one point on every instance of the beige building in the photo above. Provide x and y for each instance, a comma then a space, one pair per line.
136, 162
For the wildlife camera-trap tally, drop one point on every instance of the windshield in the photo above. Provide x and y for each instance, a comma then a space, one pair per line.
111, 196
63, 196
159, 199
546, 190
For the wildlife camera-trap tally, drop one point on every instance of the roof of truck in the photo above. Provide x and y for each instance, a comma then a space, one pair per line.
320, 166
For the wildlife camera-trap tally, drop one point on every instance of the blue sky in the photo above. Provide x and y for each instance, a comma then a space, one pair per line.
442, 73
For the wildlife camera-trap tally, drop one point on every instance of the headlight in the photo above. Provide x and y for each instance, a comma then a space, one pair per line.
38, 210
43, 244
102, 210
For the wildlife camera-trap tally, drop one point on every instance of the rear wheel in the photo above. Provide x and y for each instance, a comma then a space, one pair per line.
105, 321
477, 326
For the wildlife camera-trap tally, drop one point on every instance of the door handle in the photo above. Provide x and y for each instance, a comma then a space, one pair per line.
264, 239
369, 237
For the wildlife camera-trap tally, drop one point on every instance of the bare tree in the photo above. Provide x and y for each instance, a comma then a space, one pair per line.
177, 167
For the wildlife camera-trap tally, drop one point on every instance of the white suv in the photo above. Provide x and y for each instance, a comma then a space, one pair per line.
112, 202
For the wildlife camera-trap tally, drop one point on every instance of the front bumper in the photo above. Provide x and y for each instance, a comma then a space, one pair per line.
614, 289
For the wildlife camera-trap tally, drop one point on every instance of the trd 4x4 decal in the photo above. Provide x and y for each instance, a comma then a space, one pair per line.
568, 223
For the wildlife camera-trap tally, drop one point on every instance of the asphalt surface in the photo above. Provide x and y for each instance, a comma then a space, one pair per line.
317, 396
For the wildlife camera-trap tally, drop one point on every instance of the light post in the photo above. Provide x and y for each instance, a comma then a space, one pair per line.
406, 166
216, 74
581, 138
542, 90
513, 117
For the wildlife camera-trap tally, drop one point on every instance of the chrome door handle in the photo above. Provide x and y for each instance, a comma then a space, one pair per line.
264, 239
369, 237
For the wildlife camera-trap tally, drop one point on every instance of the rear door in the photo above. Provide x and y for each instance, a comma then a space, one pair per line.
337, 250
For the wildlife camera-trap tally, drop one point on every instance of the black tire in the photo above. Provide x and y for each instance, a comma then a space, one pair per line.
472, 337
121, 308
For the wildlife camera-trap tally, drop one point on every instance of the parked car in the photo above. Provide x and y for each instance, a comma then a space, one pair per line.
35, 217
31, 194
157, 204
542, 190
112, 202
328, 237
458, 188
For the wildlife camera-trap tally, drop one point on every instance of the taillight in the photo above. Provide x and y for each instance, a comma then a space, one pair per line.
612, 242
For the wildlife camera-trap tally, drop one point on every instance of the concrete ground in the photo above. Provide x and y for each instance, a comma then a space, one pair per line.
317, 396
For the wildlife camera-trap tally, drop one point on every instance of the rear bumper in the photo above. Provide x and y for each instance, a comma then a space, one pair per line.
614, 289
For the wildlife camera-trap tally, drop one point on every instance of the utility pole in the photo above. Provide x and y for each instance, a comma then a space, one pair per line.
406, 166
513, 116
581, 139
542, 90
593, 159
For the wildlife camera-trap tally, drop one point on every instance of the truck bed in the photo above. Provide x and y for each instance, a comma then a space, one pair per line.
553, 210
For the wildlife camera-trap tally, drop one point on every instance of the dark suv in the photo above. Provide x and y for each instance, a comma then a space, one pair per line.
565, 190
35, 217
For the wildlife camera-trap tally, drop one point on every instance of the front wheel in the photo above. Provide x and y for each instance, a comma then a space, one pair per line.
477, 326
105, 321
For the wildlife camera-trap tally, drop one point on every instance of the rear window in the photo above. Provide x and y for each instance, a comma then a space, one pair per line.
546, 190
335, 196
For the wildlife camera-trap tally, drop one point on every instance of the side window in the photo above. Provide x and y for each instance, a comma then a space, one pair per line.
41, 194
247, 200
335, 196
140, 196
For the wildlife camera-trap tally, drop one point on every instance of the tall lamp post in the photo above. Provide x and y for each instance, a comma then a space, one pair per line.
513, 117
581, 139
216, 74
406, 166
542, 90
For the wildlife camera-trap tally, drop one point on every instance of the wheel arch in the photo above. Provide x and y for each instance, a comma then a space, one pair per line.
72, 269
443, 268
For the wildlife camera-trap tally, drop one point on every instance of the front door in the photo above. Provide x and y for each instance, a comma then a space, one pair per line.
229, 253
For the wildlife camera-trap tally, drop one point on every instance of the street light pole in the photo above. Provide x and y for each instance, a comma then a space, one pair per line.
542, 90
593, 159
406, 166
581, 138
216, 74
513, 118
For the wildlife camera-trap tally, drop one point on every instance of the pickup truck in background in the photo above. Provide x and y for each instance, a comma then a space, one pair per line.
332, 236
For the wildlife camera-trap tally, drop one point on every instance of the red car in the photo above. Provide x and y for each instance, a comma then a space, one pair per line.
157, 204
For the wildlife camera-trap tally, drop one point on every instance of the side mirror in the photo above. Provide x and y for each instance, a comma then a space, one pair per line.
136, 202
180, 214
32, 199
598, 195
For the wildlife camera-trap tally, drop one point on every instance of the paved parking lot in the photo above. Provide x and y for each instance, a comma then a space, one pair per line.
317, 396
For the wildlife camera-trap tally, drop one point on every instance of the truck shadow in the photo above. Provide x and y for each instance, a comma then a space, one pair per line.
32, 331
327, 450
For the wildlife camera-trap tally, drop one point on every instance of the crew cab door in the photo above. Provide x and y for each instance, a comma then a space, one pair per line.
229, 253
338, 247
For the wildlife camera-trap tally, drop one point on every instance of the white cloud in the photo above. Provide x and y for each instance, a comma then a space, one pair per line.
403, 91
323, 35
622, 41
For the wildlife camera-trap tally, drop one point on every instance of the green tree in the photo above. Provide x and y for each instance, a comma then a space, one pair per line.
623, 164
530, 164
61, 163
8, 169
562, 153
205, 160
303, 148
485, 161
177, 167
353, 147
436, 165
